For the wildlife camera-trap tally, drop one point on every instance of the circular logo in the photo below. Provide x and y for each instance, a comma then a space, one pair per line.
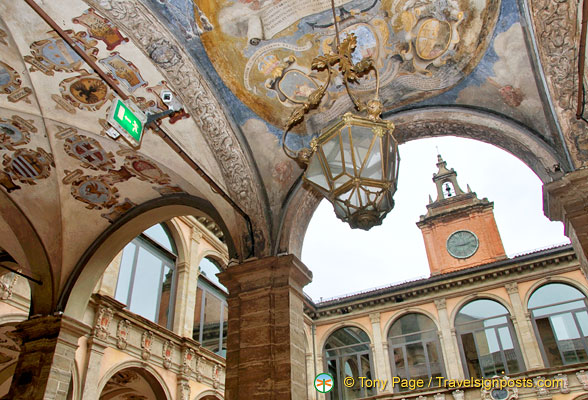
323, 383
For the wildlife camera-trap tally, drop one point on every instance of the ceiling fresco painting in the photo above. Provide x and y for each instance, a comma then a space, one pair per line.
263, 50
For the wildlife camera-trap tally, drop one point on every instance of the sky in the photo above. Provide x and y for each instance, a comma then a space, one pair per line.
345, 260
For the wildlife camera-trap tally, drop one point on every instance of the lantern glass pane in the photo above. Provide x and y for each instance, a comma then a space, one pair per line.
373, 165
362, 142
315, 174
347, 157
332, 152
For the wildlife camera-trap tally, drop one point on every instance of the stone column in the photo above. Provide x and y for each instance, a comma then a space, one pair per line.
566, 200
379, 355
453, 366
265, 341
528, 343
187, 280
96, 348
43, 369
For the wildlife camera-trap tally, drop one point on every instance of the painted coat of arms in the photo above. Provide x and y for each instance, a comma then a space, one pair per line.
89, 152
124, 71
15, 132
28, 166
54, 54
86, 92
101, 28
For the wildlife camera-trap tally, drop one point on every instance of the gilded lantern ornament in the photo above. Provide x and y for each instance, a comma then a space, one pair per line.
353, 163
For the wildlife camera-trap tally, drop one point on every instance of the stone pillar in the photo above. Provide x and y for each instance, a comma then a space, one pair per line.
93, 363
453, 366
43, 369
187, 281
528, 343
566, 200
379, 355
265, 342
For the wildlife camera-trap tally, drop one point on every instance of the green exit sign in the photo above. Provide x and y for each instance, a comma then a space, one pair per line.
128, 120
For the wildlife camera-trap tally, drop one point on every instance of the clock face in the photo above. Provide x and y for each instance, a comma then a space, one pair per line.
462, 244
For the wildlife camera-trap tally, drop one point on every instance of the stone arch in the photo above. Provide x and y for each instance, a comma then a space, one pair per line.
145, 371
28, 250
209, 395
428, 122
80, 284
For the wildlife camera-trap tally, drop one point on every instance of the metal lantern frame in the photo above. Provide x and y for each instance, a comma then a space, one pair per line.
354, 164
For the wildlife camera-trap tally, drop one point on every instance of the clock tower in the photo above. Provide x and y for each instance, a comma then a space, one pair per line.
459, 229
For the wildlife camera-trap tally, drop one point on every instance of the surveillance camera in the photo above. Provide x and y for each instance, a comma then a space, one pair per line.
167, 96
170, 100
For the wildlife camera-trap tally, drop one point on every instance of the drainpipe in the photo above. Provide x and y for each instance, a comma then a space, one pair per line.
166, 138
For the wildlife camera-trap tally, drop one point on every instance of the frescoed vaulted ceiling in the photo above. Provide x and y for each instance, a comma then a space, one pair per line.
489, 70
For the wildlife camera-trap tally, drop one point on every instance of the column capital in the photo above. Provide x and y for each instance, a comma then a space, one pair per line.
375, 318
512, 288
276, 271
441, 304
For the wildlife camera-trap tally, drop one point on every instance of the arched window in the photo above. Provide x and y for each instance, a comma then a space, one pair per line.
347, 353
415, 352
146, 278
560, 319
488, 344
211, 311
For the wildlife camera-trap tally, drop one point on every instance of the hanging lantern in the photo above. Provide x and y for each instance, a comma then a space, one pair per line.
353, 163
355, 166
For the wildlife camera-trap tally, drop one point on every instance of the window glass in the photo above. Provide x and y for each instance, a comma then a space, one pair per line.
125, 273
209, 269
414, 348
561, 323
146, 279
212, 321
198, 314
146, 284
159, 234
347, 352
553, 293
488, 346
211, 318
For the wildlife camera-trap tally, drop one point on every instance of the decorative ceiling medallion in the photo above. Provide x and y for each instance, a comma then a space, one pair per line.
124, 71
28, 166
146, 170
101, 29
54, 54
90, 152
95, 191
86, 92
421, 49
15, 132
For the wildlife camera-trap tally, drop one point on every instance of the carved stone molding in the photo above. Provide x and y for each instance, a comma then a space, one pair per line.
216, 376
512, 288
439, 396
375, 318
534, 151
458, 395
441, 304
166, 353
146, 344
562, 379
122, 334
583, 379
102, 324
183, 390
557, 34
188, 357
183, 76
